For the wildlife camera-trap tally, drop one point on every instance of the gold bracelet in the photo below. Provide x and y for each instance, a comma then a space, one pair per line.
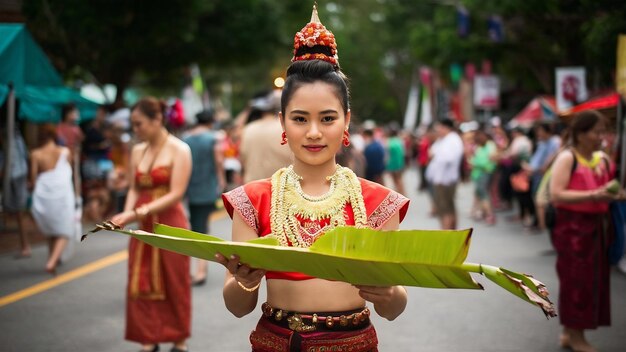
248, 289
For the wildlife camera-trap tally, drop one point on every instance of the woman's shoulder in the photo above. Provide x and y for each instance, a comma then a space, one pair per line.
251, 191
258, 186
382, 203
178, 144
139, 147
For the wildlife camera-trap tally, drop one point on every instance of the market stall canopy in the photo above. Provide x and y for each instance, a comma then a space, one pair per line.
606, 104
540, 108
38, 86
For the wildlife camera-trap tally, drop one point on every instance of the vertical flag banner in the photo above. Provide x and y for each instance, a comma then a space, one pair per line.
495, 29
571, 87
462, 21
410, 115
621, 65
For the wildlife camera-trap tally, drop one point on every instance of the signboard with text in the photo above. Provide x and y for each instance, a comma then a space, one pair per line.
486, 92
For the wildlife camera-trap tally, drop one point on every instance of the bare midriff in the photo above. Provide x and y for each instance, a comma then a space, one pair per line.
314, 295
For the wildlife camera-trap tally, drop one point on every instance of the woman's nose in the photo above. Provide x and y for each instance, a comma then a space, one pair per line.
314, 131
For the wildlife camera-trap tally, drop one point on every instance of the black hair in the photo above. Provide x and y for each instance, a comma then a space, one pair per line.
310, 71
447, 122
205, 117
151, 107
584, 122
545, 126
66, 109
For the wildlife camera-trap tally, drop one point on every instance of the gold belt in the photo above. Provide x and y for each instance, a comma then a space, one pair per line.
308, 322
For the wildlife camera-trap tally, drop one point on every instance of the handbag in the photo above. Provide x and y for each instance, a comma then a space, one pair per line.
520, 181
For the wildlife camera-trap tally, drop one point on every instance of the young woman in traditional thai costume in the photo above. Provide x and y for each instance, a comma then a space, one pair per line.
302, 202
158, 302
581, 234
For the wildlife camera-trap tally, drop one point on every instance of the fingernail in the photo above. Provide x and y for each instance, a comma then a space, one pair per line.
232, 256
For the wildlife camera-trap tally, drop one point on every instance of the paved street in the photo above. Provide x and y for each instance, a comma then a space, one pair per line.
87, 312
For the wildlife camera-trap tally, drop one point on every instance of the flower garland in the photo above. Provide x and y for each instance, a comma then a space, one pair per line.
291, 207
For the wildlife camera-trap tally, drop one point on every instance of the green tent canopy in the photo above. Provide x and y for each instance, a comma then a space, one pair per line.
38, 86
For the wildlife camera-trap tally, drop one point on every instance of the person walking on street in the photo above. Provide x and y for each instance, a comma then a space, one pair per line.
15, 198
158, 296
207, 180
444, 171
53, 205
395, 159
483, 166
374, 157
259, 155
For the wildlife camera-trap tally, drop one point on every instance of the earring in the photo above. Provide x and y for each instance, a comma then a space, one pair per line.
346, 138
284, 140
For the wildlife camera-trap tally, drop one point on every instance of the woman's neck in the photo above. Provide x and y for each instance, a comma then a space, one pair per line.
159, 139
314, 174
585, 152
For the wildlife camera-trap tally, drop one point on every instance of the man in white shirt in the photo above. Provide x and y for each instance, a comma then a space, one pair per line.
444, 171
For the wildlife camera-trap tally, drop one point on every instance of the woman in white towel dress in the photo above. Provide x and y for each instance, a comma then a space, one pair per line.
53, 204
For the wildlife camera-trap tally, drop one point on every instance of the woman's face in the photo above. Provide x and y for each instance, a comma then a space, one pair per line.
144, 128
315, 122
593, 138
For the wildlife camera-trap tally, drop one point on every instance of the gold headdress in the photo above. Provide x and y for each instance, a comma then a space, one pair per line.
315, 42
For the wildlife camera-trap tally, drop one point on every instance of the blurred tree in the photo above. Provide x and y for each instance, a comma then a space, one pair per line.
248, 42
114, 40
539, 35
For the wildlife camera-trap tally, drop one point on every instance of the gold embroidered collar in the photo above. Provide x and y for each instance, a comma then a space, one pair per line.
292, 211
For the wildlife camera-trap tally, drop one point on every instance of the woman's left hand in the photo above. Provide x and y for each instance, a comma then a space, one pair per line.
376, 294
123, 218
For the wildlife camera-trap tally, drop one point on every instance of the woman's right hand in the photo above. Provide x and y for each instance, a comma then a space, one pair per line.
245, 275
601, 195
124, 218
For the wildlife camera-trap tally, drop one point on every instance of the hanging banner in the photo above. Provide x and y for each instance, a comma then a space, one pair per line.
621, 65
410, 115
571, 87
486, 92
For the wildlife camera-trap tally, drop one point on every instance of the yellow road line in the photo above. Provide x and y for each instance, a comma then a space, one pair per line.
78, 272
63, 278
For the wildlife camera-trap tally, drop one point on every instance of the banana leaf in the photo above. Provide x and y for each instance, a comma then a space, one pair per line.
421, 258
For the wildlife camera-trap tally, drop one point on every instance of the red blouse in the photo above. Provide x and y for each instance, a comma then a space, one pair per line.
252, 202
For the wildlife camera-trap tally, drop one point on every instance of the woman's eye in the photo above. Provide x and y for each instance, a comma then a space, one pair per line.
298, 119
328, 119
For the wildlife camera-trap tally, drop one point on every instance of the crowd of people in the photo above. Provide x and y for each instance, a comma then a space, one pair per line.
143, 174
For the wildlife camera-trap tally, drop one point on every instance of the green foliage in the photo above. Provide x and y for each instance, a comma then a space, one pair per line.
113, 40
381, 42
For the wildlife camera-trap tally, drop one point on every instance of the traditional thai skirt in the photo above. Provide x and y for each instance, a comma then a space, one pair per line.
283, 331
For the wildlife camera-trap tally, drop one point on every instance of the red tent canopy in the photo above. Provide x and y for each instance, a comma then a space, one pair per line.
606, 104
539, 108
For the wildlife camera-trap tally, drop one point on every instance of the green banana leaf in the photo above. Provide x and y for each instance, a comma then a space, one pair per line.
422, 258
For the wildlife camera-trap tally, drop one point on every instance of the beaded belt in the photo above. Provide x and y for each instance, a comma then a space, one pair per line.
308, 322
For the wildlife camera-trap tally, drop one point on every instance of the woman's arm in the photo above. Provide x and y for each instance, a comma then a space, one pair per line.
34, 164
389, 302
128, 215
238, 300
131, 196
